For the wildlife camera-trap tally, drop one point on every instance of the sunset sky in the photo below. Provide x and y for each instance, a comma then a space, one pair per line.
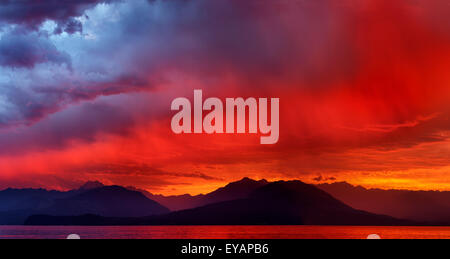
86, 88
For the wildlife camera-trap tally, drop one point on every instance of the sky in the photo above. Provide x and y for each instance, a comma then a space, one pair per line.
86, 88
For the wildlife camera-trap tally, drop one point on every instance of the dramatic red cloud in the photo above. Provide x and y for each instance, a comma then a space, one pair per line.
369, 103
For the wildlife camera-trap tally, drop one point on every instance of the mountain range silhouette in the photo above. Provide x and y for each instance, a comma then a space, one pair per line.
428, 206
278, 203
245, 202
114, 201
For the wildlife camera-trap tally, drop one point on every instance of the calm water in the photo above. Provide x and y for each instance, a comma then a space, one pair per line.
225, 232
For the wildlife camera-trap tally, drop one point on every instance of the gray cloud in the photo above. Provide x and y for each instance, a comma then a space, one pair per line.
19, 50
31, 13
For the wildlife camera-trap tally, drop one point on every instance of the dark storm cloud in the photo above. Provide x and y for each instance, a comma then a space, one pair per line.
297, 41
26, 50
255, 41
71, 26
32, 13
79, 123
45, 98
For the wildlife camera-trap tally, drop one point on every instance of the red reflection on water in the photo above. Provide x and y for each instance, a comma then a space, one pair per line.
226, 232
